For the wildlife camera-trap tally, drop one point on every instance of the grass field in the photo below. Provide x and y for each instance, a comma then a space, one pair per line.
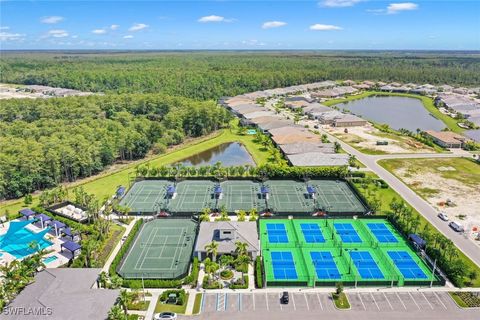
197, 304
427, 103
164, 307
105, 184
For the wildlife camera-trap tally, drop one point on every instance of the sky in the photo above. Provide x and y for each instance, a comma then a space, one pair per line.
248, 24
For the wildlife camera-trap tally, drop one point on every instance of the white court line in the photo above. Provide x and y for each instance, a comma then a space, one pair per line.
253, 300
414, 301
143, 249
371, 294
427, 300
305, 295
293, 301
443, 304
391, 307
266, 300
403, 304
364, 308
320, 302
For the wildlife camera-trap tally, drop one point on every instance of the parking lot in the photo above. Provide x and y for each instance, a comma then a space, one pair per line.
309, 301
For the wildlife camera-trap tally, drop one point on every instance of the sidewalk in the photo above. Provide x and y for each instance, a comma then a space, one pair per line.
113, 254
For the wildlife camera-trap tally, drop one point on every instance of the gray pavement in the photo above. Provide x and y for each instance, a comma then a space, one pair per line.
311, 305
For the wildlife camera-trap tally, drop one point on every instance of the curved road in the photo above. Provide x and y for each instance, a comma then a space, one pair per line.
468, 247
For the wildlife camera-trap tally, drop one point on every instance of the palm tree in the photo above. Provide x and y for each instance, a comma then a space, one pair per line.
212, 249
124, 299
205, 216
241, 215
241, 248
102, 280
253, 214
116, 313
241, 261
226, 260
116, 281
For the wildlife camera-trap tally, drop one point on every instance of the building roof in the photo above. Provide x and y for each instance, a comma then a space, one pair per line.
275, 124
304, 147
244, 232
313, 159
446, 136
67, 293
256, 114
349, 118
27, 212
291, 134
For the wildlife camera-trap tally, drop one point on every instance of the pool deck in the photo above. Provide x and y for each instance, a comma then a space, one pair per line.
62, 257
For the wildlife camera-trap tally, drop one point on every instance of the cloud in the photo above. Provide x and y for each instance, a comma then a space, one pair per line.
114, 27
138, 27
99, 31
324, 27
339, 3
273, 24
52, 19
8, 36
4, 28
404, 6
214, 18
128, 37
57, 33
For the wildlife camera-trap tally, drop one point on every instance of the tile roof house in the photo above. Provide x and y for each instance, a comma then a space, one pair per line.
226, 233
447, 139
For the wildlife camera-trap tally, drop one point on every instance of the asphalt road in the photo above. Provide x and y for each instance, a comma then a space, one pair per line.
468, 247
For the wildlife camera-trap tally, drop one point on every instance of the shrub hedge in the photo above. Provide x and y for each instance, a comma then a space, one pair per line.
239, 285
124, 248
192, 278
181, 296
258, 272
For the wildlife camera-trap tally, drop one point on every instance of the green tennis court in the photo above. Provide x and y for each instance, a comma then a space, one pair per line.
288, 196
193, 196
241, 195
162, 249
321, 252
336, 196
147, 196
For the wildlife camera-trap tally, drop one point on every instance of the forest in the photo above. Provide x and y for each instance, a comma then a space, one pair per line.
210, 75
47, 141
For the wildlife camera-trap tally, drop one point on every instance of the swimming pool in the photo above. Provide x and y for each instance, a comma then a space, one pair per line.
49, 259
18, 240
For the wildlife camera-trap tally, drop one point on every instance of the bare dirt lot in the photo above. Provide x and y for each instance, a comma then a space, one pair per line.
439, 180
365, 139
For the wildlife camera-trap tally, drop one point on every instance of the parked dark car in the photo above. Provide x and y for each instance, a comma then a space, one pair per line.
285, 298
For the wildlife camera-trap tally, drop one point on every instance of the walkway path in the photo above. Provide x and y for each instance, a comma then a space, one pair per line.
153, 303
119, 245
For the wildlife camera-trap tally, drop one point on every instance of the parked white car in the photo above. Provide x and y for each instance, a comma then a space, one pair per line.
165, 315
443, 216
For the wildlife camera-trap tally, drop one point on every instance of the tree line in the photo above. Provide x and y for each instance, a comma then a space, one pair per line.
209, 75
48, 141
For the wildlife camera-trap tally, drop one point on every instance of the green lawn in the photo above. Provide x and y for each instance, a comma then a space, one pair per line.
164, 307
105, 185
114, 237
197, 304
427, 103
387, 195
466, 299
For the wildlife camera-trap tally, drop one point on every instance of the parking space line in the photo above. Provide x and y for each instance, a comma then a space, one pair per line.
225, 300
280, 299
431, 307
443, 304
320, 302
371, 294
266, 300
305, 295
403, 304
414, 301
293, 301
391, 307
364, 308
216, 302
239, 302
253, 300
203, 302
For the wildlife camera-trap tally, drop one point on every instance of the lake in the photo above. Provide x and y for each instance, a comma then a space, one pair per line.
397, 112
229, 154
